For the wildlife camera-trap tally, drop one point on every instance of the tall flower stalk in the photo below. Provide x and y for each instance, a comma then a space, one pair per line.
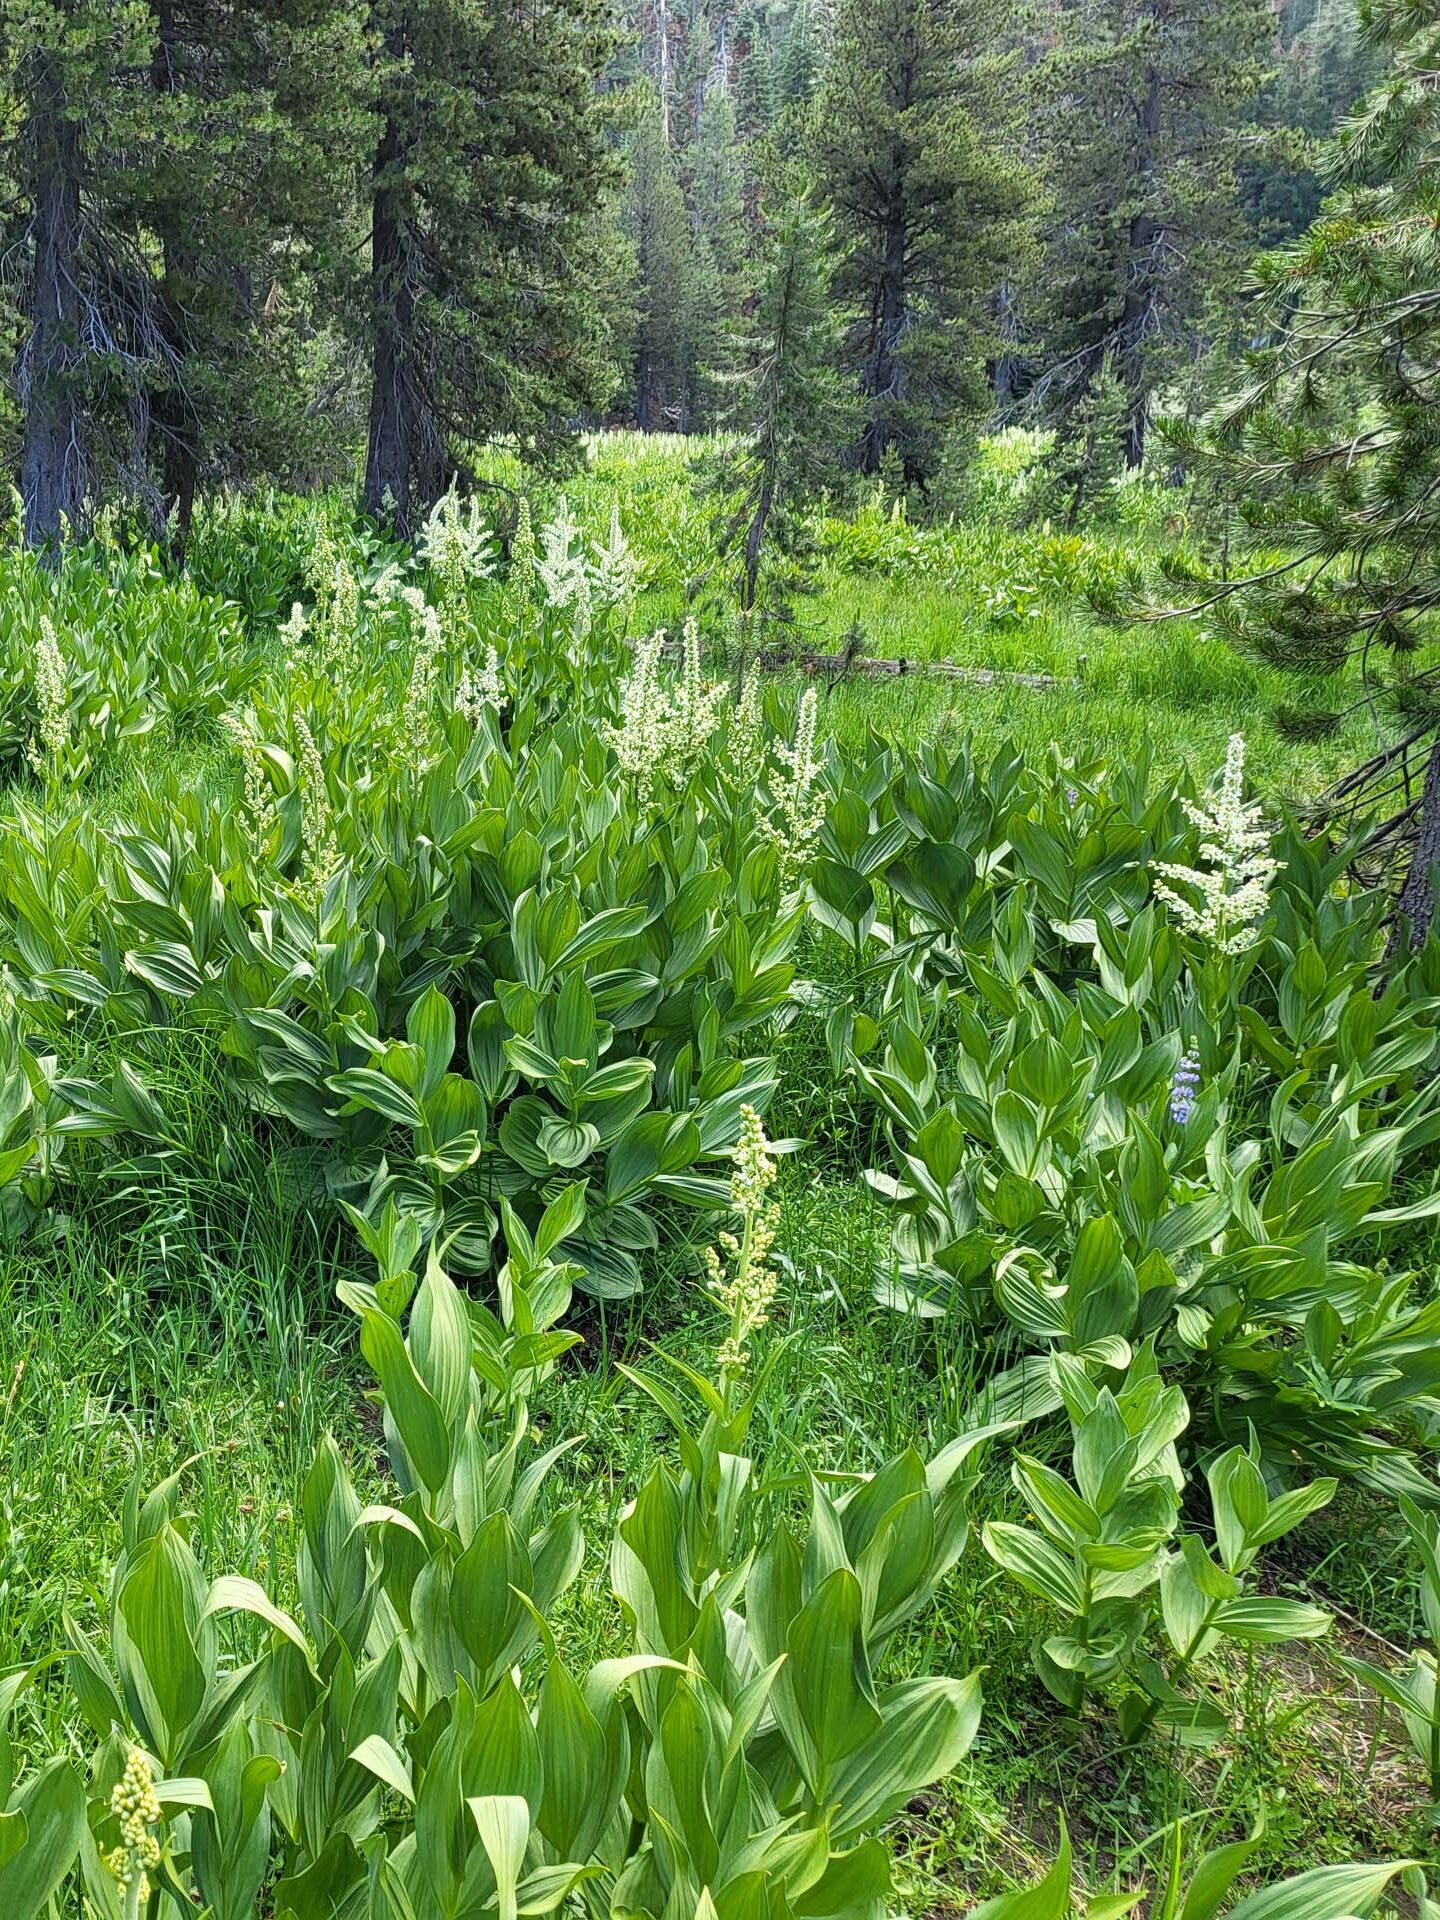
319, 848
616, 572
1232, 889
455, 545
560, 566
524, 556
136, 1808
481, 689
261, 813
663, 732
415, 730
51, 681
800, 804
740, 1276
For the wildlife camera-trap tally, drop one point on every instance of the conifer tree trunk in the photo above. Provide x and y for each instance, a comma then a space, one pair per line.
54, 460
179, 454
755, 543
1141, 283
649, 401
1006, 372
394, 394
1417, 896
883, 374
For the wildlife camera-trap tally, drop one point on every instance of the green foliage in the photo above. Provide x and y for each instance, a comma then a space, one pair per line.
1108, 1556
1030, 1007
1413, 1690
791, 411
1200, 1892
131, 652
485, 929
1162, 92
915, 152
1006, 481
1327, 451
438, 934
677, 307
481, 313
414, 1733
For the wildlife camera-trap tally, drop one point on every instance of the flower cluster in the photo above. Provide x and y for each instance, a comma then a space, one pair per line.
1234, 886
638, 742
560, 566
321, 563
480, 688
745, 742
340, 635
740, 1277
292, 635
800, 802
333, 624
386, 588
524, 555
697, 703
415, 740
52, 699
455, 546
261, 811
616, 572
136, 1807
1185, 1087
319, 849
663, 732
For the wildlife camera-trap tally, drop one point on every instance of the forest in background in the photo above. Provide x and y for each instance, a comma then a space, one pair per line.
307, 241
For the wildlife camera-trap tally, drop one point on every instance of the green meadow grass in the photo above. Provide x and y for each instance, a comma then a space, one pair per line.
1168, 690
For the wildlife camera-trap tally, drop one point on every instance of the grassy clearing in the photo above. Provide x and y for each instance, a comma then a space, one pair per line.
1008, 603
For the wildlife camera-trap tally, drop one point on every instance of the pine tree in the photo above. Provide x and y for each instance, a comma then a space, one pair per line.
801, 58
657, 225
1145, 207
1322, 67
1332, 454
175, 161
756, 95
793, 408
915, 155
717, 184
488, 162
695, 67
90, 330
252, 130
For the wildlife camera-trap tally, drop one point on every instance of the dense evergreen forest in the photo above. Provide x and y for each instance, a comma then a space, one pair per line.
286, 240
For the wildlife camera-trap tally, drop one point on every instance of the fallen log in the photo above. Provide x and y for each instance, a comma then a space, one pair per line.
835, 666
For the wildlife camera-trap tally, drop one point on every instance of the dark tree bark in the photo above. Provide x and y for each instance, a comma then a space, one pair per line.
1006, 373
171, 415
649, 395
755, 543
391, 458
1416, 904
179, 469
883, 373
55, 452
1142, 284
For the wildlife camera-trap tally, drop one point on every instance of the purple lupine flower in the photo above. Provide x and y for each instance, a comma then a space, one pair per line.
1184, 1086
